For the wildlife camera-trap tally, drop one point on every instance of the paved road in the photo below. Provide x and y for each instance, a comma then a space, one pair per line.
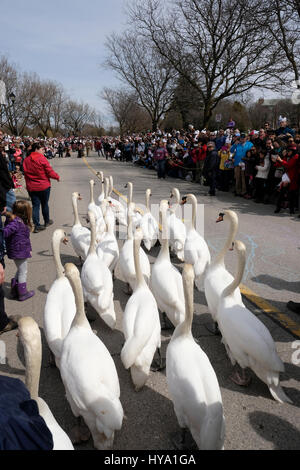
253, 419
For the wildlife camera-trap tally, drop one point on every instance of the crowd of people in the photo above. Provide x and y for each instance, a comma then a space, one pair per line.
262, 165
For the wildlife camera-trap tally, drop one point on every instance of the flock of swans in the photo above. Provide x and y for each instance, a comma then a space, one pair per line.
86, 366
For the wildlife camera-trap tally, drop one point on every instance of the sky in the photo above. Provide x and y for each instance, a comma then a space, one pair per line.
63, 40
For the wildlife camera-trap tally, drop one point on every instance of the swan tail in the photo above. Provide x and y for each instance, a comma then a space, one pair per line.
213, 431
278, 394
131, 350
139, 377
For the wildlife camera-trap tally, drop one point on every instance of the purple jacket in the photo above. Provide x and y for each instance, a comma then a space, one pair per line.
17, 239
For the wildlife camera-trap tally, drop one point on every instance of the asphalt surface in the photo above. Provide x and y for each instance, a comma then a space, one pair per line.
253, 419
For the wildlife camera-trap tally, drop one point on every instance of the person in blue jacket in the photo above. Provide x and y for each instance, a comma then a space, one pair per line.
239, 150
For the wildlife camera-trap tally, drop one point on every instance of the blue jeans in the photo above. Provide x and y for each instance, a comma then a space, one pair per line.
161, 168
10, 200
40, 198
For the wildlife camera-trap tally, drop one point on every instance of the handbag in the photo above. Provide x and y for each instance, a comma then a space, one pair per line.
229, 164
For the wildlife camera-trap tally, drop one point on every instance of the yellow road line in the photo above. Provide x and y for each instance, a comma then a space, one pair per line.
281, 318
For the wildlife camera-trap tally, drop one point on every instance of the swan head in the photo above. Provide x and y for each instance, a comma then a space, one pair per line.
164, 205
60, 235
77, 196
148, 192
228, 214
92, 183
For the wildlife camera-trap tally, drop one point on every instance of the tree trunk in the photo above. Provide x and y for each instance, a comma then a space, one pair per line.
207, 114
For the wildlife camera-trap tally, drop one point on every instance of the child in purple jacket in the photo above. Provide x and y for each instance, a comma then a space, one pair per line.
18, 247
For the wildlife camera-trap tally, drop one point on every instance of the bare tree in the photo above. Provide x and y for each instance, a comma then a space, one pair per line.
213, 44
281, 21
76, 115
122, 105
147, 73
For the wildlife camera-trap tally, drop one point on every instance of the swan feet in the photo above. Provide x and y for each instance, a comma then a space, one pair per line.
157, 366
240, 378
128, 291
214, 330
165, 323
80, 433
183, 440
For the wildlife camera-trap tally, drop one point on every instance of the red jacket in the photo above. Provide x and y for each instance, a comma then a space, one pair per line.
37, 172
292, 169
199, 154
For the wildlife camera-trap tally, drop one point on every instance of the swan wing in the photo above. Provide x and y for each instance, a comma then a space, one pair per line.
248, 338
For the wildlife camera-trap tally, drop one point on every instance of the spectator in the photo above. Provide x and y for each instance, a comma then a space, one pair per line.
17, 237
160, 157
283, 129
261, 176
239, 150
290, 184
224, 174
6, 323
211, 166
38, 173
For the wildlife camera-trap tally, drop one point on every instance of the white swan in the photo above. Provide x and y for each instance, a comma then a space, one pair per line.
196, 251
118, 208
60, 305
92, 207
80, 236
102, 194
176, 227
248, 342
108, 248
149, 225
217, 277
30, 336
136, 216
126, 259
166, 280
89, 374
192, 381
141, 325
97, 281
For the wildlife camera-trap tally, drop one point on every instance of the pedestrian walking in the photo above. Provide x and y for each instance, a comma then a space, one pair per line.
38, 172
18, 247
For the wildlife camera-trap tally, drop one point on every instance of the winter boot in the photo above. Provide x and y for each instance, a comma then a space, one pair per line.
14, 288
23, 293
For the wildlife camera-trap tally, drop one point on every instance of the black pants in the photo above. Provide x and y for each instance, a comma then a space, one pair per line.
287, 195
260, 185
4, 320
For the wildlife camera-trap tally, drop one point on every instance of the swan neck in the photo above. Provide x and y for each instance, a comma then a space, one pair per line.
239, 275
93, 236
130, 193
92, 201
137, 263
164, 251
231, 237
148, 202
33, 361
129, 227
56, 253
80, 317
111, 186
75, 209
189, 307
194, 206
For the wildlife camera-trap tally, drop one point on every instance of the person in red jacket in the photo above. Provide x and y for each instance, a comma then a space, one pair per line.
198, 156
291, 166
38, 172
